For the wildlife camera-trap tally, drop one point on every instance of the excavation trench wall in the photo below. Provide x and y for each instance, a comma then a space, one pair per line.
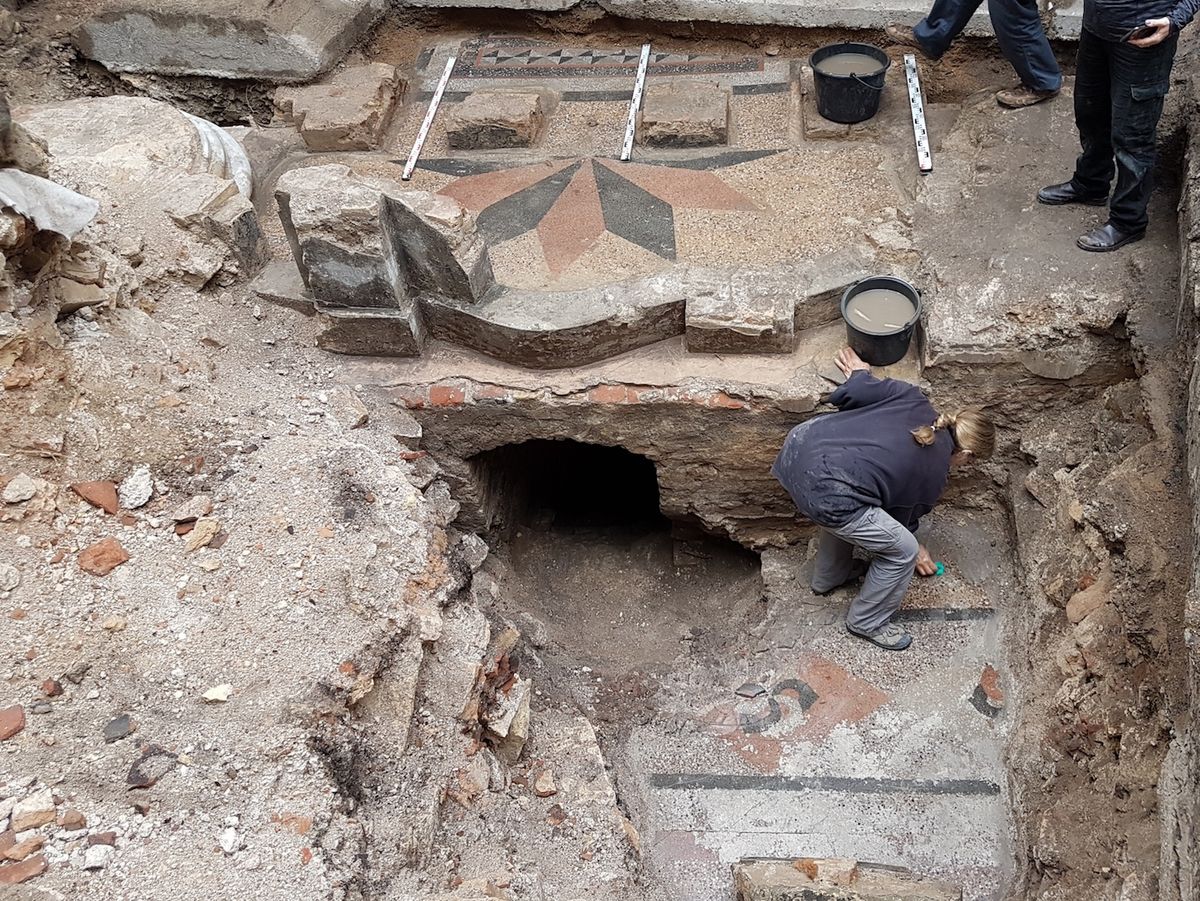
1181, 774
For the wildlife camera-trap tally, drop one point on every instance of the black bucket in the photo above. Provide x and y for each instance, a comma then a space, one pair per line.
889, 348
848, 98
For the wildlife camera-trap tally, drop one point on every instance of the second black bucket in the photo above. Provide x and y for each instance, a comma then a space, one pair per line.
853, 97
888, 347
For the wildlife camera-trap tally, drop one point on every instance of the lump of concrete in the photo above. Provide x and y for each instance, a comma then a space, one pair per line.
684, 114
34, 811
739, 313
350, 112
488, 120
331, 218
835, 879
271, 40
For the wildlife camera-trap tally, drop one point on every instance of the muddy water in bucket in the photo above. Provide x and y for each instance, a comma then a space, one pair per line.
849, 64
879, 311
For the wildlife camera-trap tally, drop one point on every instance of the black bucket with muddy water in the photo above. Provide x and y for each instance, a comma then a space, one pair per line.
881, 315
848, 79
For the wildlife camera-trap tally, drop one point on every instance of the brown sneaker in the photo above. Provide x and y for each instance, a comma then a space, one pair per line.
1021, 97
904, 35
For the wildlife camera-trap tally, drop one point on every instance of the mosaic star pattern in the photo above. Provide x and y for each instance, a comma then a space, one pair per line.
572, 202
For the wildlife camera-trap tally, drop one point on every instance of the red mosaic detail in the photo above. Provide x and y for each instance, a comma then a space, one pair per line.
571, 227
683, 188
478, 192
759, 731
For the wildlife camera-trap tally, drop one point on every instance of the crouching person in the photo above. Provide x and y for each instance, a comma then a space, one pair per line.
866, 475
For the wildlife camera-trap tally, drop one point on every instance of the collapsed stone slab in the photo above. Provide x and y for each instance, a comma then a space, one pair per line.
273, 40
684, 114
350, 112
488, 120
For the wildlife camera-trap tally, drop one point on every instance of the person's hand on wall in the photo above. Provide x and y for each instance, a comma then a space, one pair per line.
848, 361
925, 564
1162, 31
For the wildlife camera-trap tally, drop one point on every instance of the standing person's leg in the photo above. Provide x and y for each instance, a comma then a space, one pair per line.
1022, 40
1141, 77
1094, 167
936, 32
1093, 117
835, 559
894, 555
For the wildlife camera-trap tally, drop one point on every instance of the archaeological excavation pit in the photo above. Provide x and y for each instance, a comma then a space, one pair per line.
603, 399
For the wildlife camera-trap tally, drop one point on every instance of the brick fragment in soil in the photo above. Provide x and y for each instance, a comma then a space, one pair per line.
16, 873
99, 494
102, 557
12, 721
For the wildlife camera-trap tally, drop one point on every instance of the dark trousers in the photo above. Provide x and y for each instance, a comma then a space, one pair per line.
1018, 30
1119, 92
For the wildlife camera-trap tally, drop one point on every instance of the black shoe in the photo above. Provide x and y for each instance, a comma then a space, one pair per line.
1108, 237
1056, 195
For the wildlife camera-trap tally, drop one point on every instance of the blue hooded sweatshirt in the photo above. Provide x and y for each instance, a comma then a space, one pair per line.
836, 465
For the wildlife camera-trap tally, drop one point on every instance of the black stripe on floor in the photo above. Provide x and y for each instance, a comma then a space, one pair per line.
852, 784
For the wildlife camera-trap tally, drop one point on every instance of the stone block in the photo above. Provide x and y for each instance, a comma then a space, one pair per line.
271, 40
487, 120
892, 118
743, 312
342, 278
684, 114
835, 879
367, 233
371, 332
436, 246
18, 148
350, 112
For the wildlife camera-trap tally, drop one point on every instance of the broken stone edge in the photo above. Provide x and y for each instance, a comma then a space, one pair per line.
550, 330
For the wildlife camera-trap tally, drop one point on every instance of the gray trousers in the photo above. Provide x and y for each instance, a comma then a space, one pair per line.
893, 551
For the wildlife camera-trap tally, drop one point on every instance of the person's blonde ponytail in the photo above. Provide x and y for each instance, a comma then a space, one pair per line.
972, 430
926, 434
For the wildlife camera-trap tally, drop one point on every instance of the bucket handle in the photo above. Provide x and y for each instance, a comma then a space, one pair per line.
865, 84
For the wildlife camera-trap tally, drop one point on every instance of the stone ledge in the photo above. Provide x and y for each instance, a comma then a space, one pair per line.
284, 41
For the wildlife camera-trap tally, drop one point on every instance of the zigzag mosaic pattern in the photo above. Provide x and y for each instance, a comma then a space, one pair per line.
518, 57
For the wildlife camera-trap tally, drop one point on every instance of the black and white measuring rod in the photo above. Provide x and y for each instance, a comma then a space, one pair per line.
415, 154
635, 104
916, 103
